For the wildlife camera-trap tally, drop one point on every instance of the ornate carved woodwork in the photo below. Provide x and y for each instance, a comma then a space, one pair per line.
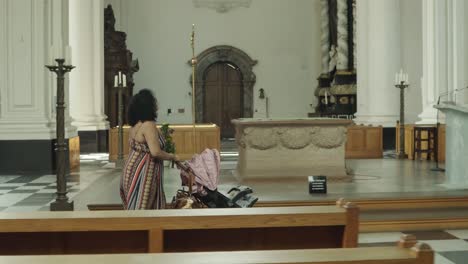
116, 58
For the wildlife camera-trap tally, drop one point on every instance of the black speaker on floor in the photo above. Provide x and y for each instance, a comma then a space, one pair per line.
317, 184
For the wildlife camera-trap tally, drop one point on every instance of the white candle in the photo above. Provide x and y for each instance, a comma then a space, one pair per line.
58, 52
116, 81
124, 80
326, 98
120, 77
51, 56
68, 60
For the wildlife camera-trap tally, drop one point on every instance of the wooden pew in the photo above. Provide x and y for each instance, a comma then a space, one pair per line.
405, 253
192, 230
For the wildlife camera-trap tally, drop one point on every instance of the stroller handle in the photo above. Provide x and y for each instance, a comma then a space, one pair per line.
189, 171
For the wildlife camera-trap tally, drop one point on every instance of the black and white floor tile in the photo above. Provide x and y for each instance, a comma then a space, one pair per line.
451, 246
25, 193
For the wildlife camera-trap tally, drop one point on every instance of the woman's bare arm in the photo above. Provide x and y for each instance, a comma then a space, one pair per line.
151, 134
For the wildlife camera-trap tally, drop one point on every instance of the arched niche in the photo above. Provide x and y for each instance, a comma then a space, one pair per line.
224, 53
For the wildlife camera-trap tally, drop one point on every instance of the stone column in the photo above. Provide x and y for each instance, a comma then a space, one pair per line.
327, 65
342, 49
378, 59
443, 55
60, 47
354, 36
32, 33
325, 37
87, 80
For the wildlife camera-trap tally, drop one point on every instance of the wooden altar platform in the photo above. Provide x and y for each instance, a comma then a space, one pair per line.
206, 136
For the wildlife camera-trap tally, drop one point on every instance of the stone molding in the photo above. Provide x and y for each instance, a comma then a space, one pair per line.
265, 138
222, 6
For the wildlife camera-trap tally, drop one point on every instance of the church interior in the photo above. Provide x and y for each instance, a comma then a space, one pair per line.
339, 130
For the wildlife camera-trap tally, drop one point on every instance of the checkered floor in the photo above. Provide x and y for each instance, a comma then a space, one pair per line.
22, 193
35, 192
451, 245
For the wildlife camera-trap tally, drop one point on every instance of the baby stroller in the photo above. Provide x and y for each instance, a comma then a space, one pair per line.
205, 168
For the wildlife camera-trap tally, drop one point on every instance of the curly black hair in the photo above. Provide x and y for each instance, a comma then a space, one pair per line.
143, 107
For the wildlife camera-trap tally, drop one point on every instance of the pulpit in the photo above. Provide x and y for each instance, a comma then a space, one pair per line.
285, 148
456, 159
116, 58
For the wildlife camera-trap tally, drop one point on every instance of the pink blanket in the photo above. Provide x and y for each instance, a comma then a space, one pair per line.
206, 167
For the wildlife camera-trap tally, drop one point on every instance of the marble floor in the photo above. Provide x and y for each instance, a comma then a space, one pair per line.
97, 181
451, 246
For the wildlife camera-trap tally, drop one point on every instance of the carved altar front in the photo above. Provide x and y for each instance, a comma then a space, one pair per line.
284, 148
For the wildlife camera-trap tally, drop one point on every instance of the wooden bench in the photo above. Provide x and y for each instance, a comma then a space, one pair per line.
98, 232
407, 252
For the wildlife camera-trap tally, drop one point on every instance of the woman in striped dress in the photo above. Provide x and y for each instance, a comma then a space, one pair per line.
141, 185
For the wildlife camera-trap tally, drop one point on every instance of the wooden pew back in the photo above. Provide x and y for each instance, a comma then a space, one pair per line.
405, 253
179, 230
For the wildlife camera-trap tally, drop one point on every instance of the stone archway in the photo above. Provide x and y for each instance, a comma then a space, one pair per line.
224, 53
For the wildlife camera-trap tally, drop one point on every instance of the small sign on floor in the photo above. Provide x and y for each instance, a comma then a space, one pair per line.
317, 184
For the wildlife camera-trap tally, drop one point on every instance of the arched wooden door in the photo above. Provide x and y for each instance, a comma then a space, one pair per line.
223, 96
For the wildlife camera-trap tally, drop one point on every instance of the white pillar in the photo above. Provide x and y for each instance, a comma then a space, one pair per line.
378, 59
87, 80
60, 43
30, 32
443, 54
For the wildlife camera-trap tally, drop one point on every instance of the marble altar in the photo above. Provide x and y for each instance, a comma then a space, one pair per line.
284, 148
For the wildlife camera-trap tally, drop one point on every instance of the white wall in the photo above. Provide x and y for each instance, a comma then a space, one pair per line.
284, 36
119, 12
411, 55
29, 31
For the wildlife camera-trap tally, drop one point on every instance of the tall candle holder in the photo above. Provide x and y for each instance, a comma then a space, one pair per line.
120, 84
194, 67
402, 85
61, 202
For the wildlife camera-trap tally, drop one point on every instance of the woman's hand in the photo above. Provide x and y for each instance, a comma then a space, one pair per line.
175, 157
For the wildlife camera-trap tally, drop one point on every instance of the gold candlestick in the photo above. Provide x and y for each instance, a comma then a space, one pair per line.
194, 65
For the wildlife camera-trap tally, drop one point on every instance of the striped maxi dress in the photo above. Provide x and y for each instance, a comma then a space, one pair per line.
141, 185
